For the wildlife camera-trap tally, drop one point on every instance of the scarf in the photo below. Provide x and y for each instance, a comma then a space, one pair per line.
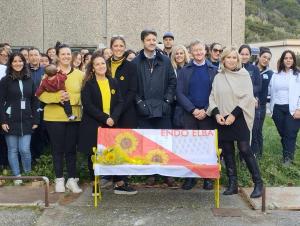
231, 89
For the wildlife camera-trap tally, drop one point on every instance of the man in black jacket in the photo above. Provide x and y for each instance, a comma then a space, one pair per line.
156, 88
156, 85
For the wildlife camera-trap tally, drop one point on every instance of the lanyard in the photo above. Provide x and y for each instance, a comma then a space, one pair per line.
21, 88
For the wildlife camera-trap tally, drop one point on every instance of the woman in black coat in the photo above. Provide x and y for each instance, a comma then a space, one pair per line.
102, 106
125, 72
18, 112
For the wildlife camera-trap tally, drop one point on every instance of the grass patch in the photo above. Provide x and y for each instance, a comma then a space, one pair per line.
272, 170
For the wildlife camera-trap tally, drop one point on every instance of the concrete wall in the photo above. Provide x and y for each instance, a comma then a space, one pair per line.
90, 22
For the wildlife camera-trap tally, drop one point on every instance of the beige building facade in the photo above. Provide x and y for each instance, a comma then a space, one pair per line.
88, 23
277, 48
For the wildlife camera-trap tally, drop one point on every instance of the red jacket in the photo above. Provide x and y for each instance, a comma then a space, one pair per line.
54, 85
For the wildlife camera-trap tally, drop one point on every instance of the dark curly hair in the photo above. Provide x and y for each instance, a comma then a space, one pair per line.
281, 66
24, 73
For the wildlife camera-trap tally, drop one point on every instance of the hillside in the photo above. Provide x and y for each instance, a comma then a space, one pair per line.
268, 20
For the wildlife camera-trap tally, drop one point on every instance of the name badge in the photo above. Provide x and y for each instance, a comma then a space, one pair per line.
8, 110
23, 104
265, 76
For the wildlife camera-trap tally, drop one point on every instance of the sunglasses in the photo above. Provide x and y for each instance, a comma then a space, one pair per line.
218, 50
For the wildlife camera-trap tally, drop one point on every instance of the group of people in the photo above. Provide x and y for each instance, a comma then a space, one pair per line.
200, 87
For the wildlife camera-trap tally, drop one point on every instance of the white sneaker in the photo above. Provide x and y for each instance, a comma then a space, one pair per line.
73, 186
60, 185
18, 182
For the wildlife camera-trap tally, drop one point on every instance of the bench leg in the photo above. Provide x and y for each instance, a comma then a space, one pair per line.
97, 194
217, 193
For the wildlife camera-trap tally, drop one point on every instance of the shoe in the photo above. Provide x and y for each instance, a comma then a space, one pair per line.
189, 183
125, 189
72, 117
18, 182
208, 184
93, 192
232, 187
257, 191
73, 186
150, 181
287, 162
60, 185
170, 182
104, 183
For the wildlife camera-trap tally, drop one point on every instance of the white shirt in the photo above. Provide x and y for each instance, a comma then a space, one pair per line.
2, 71
278, 83
281, 88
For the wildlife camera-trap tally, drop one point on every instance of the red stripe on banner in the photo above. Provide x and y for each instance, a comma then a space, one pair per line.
107, 137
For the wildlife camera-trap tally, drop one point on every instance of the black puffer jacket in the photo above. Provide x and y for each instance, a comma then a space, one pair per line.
20, 121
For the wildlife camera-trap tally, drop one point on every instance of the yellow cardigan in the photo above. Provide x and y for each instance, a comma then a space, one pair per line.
54, 112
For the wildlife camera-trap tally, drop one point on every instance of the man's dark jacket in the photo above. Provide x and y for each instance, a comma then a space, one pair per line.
156, 90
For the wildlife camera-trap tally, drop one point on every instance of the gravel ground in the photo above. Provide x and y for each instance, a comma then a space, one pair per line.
18, 216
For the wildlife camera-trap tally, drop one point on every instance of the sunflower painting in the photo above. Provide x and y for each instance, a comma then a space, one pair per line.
126, 141
157, 156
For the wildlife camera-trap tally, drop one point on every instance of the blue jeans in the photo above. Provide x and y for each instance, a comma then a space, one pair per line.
20, 144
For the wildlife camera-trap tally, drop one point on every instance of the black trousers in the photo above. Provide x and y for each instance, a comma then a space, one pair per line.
39, 140
3, 152
288, 128
67, 108
63, 139
255, 143
154, 123
259, 136
190, 122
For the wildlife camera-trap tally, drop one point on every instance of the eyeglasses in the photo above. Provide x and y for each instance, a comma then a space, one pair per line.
218, 50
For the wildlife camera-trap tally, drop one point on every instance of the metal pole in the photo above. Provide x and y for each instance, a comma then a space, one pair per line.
40, 178
263, 200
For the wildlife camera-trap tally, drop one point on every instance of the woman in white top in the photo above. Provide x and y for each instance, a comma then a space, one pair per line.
285, 103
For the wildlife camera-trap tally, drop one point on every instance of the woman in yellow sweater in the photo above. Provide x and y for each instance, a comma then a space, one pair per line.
62, 132
102, 106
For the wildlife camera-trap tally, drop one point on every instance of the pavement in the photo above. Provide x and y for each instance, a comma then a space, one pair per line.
151, 206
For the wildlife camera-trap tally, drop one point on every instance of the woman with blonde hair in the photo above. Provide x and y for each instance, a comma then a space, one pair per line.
179, 57
232, 103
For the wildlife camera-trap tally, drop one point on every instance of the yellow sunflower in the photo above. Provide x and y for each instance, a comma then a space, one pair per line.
157, 156
110, 158
126, 141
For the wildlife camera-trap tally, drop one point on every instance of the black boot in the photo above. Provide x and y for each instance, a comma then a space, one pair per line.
231, 173
254, 170
189, 183
257, 191
208, 184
